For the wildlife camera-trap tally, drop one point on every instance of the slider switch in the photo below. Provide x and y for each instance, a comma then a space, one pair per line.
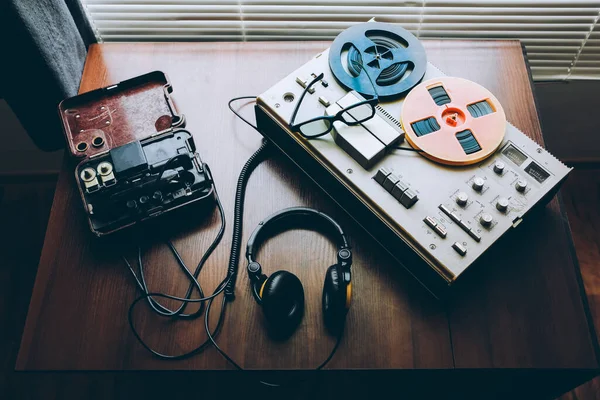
433, 224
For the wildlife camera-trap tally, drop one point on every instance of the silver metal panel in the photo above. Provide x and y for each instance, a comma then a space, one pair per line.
434, 184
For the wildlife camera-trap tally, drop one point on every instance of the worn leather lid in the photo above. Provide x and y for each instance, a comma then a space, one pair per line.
97, 121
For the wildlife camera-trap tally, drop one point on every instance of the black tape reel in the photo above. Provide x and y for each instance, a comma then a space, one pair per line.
392, 56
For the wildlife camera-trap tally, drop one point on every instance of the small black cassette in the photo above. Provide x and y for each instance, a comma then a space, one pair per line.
393, 57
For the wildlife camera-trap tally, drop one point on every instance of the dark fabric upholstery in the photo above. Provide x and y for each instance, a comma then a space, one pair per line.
44, 45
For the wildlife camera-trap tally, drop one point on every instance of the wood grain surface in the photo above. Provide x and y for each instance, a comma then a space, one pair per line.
521, 307
582, 203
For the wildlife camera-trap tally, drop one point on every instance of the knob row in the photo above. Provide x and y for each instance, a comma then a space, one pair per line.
478, 182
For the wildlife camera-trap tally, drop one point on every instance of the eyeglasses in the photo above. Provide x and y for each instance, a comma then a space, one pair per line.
352, 115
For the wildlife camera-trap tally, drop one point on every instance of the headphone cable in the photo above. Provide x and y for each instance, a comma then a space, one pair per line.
247, 170
236, 365
193, 278
176, 314
238, 216
227, 285
239, 115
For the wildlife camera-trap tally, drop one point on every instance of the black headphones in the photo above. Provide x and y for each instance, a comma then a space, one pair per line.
281, 294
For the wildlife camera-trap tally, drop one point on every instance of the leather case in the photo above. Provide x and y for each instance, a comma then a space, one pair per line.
131, 110
98, 124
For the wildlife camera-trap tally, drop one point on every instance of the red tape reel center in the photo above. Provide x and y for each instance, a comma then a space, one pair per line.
453, 120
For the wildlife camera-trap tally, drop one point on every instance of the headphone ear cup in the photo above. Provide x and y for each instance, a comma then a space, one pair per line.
334, 301
283, 303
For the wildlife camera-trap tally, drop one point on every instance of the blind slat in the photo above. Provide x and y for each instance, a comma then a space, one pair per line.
364, 10
346, 3
561, 37
505, 27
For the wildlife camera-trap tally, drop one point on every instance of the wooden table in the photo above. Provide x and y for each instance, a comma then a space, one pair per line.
522, 307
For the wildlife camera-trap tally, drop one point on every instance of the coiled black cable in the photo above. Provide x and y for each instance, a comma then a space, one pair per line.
227, 283
249, 166
240, 193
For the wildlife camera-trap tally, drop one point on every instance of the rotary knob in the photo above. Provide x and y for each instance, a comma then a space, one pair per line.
157, 196
521, 185
499, 167
502, 204
131, 204
486, 220
461, 199
478, 184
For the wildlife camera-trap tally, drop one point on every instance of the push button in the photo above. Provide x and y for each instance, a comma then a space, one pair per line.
381, 175
430, 221
324, 101
390, 182
398, 190
441, 231
460, 249
303, 83
433, 224
409, 198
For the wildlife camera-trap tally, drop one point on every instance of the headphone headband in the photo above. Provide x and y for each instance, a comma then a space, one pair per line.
293, 217
281, 294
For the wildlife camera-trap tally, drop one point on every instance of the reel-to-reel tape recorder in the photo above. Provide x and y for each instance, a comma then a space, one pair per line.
467, 178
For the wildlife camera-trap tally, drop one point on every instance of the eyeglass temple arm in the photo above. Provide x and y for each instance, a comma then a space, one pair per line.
293, 119
361, 66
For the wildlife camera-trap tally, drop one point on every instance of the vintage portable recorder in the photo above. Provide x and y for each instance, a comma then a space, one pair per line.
137, 160
432, 170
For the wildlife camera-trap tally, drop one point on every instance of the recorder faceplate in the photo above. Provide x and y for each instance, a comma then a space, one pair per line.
447, 215
142, 180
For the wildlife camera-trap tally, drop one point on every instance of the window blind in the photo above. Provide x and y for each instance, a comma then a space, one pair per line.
562, 38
